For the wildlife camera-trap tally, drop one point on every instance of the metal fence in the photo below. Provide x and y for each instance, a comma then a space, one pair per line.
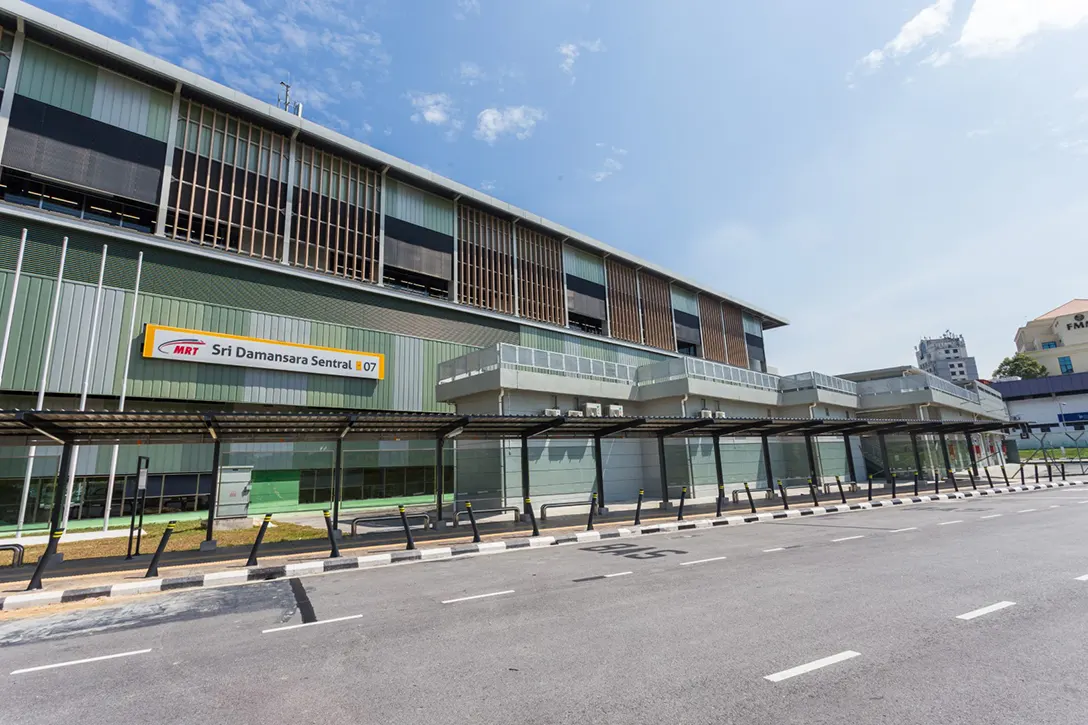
517, 357
912, 383
809, 380
705, 370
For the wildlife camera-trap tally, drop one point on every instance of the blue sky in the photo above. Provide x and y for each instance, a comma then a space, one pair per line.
874, 171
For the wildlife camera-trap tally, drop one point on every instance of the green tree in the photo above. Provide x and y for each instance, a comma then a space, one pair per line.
1020, 365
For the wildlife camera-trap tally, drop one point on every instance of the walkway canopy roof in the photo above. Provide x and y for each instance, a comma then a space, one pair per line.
50, 427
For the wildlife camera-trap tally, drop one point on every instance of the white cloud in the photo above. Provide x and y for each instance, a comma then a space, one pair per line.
571, 51
470, 73
995, 27
930, 22
466, 8
433, 108
518, 120
1081, 94
610, 167
487, 185
937, 58
110, 8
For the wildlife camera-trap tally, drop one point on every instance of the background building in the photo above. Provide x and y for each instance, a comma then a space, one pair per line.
1058, 339
947, 358
168, 243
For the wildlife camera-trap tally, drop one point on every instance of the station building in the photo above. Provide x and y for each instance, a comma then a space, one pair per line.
167, 243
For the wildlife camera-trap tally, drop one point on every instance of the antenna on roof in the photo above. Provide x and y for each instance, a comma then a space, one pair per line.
284, 100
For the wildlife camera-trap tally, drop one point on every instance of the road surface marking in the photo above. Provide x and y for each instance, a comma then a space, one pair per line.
802, 669
1083, 578
478, 596
847, 538
1055, 506
1026, 511
985, 610
600, 576
899, 531
947, 523
701, 561
81, 662
991, 516
310, 624
770, 551
619, 573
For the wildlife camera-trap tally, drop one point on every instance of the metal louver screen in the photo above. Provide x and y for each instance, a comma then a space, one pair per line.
414, 258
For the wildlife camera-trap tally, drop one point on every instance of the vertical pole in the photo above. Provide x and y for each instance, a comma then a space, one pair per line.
599, 464
55, 531
514, 264
638, 507
252, 561
440, 477
168, 163
766, 444
409, 541
525, 467
814, 477
11, 302
381, 229
971, 453
884, 457
124, 391
46, 359
337, 482
917, 458
944, 455
289, 206
13, 76
455, 275
153, 567
850, 457
88, 365
683, 496
334, 552
718, 468
663, 471
215, 490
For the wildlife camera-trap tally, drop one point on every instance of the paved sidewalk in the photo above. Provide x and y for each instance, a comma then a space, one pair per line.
197, 575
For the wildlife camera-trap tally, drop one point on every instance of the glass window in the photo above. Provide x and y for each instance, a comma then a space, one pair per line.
752, 326
1065, 365
1049, 345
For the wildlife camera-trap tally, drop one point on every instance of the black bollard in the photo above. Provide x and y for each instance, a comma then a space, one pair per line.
592, 509
638, 508
1036, 472
952, 478
1005, 473
252, 561
748, 491
335, 553
532, 516
989, 479
680, 510
411, 543
842, 494
870, 487
721, 497
812, 490
43, 561
893, 484
153, 567
971, 475
1023, 481
785, 503
936, 482
916, 475
472, 520
1049, 473
1063, 470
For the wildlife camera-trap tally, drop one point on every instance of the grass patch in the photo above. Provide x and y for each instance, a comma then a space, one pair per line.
187, 536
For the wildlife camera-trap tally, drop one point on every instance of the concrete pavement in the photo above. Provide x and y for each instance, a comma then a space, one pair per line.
552, 635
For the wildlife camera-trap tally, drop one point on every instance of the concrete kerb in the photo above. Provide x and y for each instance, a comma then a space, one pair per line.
440, 553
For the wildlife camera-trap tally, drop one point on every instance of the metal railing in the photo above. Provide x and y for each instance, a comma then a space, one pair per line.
705, 370
375, 519
915, 382
517, 357
810, 380
16, 553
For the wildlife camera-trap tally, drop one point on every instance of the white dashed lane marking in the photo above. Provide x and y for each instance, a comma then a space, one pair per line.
80, 662
701, 561
948, 523
818, 664
985, 610
847, 538
899, 531
991, 516
1026, 511
311, 624
478, 596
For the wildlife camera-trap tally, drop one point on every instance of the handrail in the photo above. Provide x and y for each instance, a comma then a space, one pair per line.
504, 510
366, 519
561, 504
16, 553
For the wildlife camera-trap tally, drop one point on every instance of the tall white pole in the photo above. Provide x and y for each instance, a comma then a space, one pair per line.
88, 363
124, 390
11, 303
46, 359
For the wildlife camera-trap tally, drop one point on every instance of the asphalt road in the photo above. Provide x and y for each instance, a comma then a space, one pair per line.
958, 612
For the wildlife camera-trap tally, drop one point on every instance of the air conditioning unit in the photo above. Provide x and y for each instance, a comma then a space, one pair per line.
592, 410
575, 414
615, 411
552, 412
720, 414
706, 413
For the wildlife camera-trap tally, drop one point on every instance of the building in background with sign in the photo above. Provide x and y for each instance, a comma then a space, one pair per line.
168, 243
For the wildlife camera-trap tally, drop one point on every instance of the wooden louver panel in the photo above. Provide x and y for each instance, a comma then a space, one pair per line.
736, 349
336, 208
485, 260
540, 277
712, 329
622, 301
657, 311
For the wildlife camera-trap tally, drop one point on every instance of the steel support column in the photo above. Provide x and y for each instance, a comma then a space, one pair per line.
884, 457
718, 458
337, 483
944, 455
811, 460
214, 492
440, 477
971, 453
663, 470
766, 443
524, 467
917, 454
599, 465
850, 457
